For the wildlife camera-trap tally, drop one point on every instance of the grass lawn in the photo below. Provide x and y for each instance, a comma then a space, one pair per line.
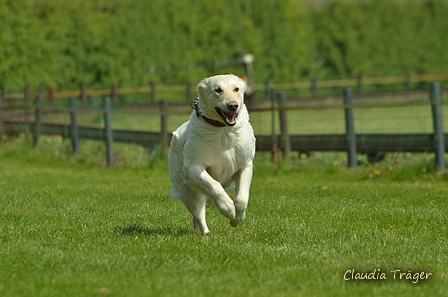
70, 228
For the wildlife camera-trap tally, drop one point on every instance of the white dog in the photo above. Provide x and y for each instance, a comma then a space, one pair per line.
214, 150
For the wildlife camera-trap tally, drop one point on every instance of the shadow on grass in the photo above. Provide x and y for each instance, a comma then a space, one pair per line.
136, 229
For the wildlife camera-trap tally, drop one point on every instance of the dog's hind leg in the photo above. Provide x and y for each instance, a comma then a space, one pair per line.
197, 206
242, 179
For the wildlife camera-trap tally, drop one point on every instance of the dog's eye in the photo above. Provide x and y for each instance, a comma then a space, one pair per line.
218, 90
236, 90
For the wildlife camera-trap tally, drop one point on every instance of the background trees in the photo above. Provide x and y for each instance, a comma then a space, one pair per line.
68, 43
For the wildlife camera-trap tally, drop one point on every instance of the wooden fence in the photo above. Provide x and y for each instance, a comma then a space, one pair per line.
156, 90
360, 82
371, 144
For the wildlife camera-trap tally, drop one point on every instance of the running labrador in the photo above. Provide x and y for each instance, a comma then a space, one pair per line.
213, 151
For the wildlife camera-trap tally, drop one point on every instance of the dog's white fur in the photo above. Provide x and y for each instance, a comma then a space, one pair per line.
205, 159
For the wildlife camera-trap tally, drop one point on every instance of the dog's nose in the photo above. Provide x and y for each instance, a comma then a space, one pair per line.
232, 106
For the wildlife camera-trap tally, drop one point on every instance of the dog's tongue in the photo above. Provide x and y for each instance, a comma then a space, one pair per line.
231, 118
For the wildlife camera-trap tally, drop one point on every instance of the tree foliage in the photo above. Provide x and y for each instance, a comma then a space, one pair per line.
379, 37
68, 43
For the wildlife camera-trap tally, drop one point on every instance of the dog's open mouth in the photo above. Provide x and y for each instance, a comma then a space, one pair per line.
228, 117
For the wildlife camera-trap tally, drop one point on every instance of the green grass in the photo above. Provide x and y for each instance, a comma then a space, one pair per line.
69, 227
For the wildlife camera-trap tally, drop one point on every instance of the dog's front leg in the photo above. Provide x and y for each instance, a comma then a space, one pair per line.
243, 180
199, 179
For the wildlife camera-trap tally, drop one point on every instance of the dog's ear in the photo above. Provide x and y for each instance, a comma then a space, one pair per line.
243, 84
202, 86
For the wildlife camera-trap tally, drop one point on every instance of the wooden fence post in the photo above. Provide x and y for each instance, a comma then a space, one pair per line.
350, 127
439, 142
84, 94
51, 98
153, 91
74, 126
108, 131
164, 125
2, 105
267, 87
285, 140
360, 83
37, 119
274, 150
314, 87
27, 111
114, 93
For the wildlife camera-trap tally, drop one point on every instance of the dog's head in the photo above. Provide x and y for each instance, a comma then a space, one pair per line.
221, 98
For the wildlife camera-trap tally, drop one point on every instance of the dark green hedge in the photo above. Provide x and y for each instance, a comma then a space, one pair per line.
68, 43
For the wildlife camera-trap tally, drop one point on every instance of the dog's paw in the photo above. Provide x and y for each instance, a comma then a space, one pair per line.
235, 223
204, 231
197, 226
227, 209
240, 216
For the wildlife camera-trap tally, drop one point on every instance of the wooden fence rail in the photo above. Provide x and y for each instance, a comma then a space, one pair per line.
155, 89
350, 142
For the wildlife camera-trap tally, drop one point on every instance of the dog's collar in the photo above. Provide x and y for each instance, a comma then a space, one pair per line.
213, 122
195, 106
